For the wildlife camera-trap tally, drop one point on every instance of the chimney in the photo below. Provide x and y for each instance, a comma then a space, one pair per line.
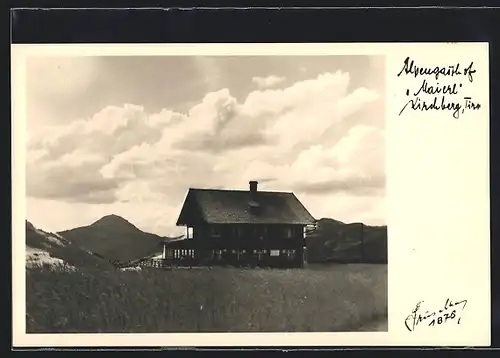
252, 202
253, 186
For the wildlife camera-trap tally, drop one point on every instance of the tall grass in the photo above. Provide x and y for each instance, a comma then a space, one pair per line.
321, 298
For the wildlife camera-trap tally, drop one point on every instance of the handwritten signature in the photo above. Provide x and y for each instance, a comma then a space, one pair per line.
450, 312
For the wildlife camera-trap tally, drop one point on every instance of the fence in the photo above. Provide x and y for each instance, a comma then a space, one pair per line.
190, 258
151, 263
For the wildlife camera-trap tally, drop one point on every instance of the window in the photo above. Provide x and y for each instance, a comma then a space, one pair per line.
217, 254
290, 254
189, 232
260, 253
274, 252
288, 232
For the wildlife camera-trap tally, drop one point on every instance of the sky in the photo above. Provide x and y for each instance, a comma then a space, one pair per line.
130, 135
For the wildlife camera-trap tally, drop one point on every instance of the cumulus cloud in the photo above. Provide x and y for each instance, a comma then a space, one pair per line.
355, 164
297, 138
269, 81
71, 181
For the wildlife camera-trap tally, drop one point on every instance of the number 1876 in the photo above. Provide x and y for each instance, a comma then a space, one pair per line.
442, 319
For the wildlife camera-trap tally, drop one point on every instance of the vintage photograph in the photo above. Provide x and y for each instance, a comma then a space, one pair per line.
183, 193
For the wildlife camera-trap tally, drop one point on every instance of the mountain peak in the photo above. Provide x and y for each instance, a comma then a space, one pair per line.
112, 216
115, 238
113, 220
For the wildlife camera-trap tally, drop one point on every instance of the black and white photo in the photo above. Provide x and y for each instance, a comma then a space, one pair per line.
170, 194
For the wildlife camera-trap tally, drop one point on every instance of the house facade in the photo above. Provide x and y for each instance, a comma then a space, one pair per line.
241, 228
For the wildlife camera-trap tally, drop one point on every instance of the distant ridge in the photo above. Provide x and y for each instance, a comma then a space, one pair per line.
115, 239
335, 241
48, 248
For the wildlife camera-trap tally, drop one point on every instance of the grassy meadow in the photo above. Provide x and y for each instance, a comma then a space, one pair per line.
320, 298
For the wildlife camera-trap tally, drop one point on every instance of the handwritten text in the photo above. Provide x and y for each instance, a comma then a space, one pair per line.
435, 96
449, 312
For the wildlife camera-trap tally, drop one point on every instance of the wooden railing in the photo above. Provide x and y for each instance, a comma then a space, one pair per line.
151, 263
163, 263
281, 261
186, 258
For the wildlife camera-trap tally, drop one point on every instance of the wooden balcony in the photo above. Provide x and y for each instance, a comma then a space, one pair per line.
280, 258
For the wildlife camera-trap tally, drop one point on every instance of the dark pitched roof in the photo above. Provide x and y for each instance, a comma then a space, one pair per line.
215, 206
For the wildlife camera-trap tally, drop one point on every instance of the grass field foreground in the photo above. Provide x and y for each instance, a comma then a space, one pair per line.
321, 298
